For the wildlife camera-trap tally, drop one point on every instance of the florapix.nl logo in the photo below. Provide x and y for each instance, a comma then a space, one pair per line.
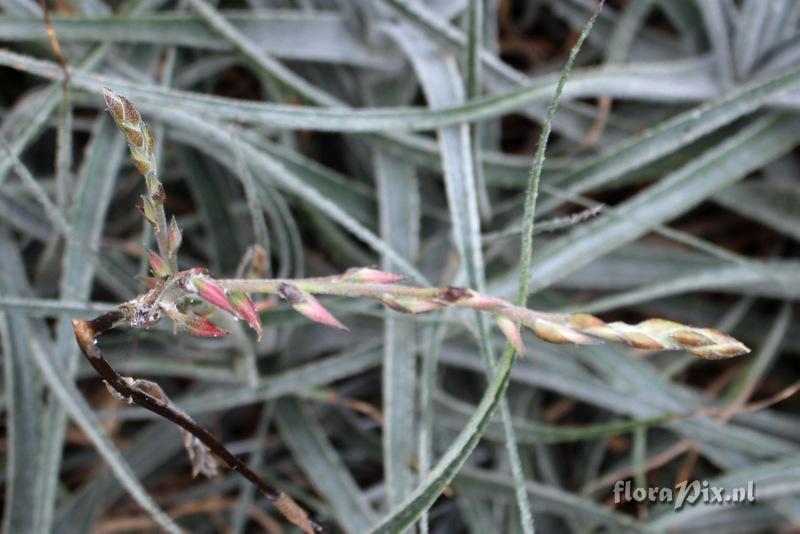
685, 493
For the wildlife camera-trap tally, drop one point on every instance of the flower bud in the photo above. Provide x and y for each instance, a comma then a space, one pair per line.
553, 332
149, 211
410, 305
307, 304
201, 327
208, 290
244, 308
114, 105
140, 141
158, 265
174, 237
259, 263
366, 275
510, 329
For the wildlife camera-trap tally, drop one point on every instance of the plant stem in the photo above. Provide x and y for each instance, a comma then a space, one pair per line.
329, 285
575, 328
86, 333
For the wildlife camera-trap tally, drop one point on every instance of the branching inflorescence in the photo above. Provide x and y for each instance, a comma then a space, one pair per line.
189, 296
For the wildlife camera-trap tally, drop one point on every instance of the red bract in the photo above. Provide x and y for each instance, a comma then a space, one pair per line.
315, 311
208, 290
201, 327
158, 265
245, 309
307, 304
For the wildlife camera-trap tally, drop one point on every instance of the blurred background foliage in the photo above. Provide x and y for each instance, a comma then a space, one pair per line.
400, 133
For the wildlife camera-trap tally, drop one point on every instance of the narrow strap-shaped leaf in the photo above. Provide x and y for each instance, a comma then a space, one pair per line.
442, 84
151, 449
729, 161
547, 498
50, 97
530, 432
323, 465
773, 204
718, 28
24, 412
268, 166
69, 398
749, 35
781, 283
91, 199
573, 122
741, 390
213, 202
432, 484
290, 381
769, 480
676, 133
398, 199
295, 35
617, 81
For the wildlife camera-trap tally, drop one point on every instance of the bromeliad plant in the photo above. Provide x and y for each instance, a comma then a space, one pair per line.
189, 296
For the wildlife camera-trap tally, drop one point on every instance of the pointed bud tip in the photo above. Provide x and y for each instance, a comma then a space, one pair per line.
318, 313
114, 104
553, 332
200, 327
108, 94
208, 290
312, 309
157, 264
410, 305
367, 275
511, 331
259, 262
174, 237
246, 310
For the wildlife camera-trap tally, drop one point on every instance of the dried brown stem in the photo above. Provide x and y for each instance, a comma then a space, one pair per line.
86, 332
51, 35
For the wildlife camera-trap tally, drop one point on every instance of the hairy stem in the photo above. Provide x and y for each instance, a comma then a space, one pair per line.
576, 328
